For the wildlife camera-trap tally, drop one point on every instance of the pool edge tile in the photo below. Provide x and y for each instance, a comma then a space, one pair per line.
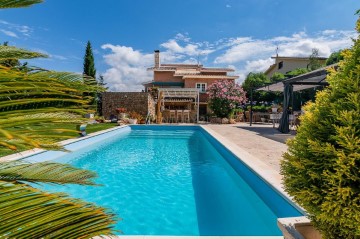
34, 151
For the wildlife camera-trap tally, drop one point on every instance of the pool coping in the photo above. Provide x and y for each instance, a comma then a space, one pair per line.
189, 237
269, 175
32, 152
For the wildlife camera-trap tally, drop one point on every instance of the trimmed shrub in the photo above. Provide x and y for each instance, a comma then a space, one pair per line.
322, 166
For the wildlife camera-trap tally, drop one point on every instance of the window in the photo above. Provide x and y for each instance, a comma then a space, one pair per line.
201, 87
281, 64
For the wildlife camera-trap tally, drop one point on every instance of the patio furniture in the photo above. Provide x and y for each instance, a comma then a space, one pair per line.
179, 116
258, 116
172, 116
186, 116
166, 116
275, 118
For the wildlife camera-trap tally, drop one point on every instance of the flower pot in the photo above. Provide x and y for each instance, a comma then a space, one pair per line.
122, 115
132, 121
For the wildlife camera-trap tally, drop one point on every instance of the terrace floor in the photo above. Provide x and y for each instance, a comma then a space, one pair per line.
260, 140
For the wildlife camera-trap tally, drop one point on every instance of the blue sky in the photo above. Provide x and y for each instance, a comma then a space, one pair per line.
222, 33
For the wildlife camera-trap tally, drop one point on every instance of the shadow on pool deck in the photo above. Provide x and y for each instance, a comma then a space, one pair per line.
267, 131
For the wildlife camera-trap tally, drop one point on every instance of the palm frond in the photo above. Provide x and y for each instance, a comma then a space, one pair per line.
31, 137
46, 172
11, 52
28, 212
21, 113
18, 3
36, 98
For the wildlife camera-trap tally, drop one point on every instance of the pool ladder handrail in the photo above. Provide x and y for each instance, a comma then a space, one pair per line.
148, 119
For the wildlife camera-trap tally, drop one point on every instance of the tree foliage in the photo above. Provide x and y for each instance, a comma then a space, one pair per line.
254, 80
277, 77
38, 97
322, 167
314, 60
296, 72
11, 52
335, 57
257, 80
89, 64
224, 96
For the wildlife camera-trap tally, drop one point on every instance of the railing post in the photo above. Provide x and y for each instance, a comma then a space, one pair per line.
251, 105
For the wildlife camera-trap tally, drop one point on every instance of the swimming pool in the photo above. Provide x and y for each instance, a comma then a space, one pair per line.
174, 180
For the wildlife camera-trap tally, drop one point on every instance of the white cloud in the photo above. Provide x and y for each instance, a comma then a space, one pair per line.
259, 65
59, 57
15, 29
50, 56
299, 44
243, 49
173, 46
9, 33
228, 5
182, 37
254, 55
244, 54
127, 68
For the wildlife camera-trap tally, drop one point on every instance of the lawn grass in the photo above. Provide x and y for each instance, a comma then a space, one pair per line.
68, 133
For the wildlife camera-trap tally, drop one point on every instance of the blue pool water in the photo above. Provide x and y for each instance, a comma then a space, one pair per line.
176, 181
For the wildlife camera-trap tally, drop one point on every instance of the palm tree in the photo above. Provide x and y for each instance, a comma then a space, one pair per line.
28, 98
34, 97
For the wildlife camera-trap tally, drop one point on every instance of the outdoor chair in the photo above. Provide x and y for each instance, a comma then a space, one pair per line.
172, 116
179, 116
186, 116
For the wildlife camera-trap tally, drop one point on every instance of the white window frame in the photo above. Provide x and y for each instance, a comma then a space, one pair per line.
199, 86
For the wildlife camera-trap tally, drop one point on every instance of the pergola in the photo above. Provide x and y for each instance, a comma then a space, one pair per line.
187, 94
297, 83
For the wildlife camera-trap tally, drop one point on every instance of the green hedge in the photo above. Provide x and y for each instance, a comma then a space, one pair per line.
322, 166
259, 108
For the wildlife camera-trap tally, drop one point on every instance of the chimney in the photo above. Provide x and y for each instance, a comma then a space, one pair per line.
157, 58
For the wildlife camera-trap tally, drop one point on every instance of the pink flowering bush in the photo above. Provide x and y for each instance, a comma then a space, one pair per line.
224, 96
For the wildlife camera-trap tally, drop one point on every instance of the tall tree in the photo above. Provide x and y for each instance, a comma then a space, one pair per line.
314, 60
253, 81
89, 64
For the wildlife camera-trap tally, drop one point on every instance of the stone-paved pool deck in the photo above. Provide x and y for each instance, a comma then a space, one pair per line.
260, 140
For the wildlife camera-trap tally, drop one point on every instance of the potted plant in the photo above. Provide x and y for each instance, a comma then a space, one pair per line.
133, 117
100, 119
122, 112
274, 108
141, 119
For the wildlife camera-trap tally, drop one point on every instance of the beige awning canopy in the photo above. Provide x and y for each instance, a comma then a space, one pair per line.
179, 92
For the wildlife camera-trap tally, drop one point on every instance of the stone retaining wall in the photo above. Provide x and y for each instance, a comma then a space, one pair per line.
140, 102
